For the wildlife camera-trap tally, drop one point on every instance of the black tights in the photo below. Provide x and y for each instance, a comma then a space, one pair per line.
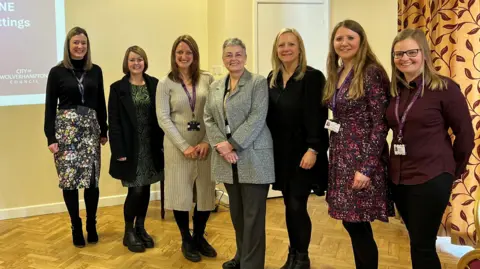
136, 205
200, 219
299, 225
365, 249
91, 195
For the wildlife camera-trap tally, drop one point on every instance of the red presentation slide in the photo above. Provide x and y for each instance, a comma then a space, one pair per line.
28, 34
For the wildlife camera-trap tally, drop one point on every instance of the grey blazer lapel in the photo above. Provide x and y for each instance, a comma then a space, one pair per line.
219, 96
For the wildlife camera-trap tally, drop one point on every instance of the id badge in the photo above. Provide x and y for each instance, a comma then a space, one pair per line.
193, 126
399, 150
82, 110
332, 126
227, 129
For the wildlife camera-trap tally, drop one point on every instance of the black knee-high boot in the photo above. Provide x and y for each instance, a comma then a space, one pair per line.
71, 201
200, 219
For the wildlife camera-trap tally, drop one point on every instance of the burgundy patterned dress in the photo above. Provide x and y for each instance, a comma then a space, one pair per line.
361, 146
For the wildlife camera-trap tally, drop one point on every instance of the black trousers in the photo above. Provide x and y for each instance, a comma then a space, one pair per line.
299, 225
421, 208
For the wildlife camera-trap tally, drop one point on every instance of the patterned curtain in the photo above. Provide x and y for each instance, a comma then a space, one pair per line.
452, 28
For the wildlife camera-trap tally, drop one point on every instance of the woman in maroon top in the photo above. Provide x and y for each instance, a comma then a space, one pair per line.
423, 161
357, 92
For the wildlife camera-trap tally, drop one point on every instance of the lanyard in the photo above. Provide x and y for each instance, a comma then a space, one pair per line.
401, 122
80, 86
192, 99
335, 94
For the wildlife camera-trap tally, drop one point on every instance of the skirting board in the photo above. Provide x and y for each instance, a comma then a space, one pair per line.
36, 210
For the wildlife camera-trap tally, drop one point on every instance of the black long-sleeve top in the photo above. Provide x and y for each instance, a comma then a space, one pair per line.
63, 93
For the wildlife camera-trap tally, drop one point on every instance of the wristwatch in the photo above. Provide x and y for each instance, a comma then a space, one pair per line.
312, 150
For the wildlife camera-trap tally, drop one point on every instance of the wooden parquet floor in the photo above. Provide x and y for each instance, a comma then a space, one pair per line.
45, 242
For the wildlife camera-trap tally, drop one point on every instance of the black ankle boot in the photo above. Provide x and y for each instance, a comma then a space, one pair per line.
92, 236
77, 234
291, 259
190, 251
131, 240
302, 261
146, 239
203, 246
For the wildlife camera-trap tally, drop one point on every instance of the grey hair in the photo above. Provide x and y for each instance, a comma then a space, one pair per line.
230, 42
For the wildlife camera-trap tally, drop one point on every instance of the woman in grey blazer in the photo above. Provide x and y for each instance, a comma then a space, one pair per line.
235, 114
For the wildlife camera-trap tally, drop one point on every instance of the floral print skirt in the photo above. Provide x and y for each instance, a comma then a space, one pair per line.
78, 158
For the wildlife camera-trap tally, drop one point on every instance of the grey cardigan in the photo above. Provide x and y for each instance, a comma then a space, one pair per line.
246, 111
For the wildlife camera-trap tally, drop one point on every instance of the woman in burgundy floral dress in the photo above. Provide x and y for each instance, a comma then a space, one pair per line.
357, 93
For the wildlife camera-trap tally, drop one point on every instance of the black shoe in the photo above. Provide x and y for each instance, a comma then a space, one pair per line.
92, 236
301, 261
290, 260
232, 264
189, 251
144, 237
204, 247
131, 241
77, 234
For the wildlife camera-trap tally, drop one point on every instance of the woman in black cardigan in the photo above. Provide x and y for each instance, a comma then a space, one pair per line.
296, 118
136, 143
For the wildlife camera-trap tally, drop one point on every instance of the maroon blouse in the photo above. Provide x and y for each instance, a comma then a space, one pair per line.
429, 150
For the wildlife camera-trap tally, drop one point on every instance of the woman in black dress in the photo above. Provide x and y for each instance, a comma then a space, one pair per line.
75, 126
296, 119
136, 143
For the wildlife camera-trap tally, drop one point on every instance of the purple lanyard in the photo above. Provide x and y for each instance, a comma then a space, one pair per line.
334, 100
401, 123
191, 99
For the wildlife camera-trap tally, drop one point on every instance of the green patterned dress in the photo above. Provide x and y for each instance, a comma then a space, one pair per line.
146, 173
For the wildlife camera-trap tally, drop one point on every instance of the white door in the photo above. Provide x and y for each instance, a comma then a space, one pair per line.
309, 18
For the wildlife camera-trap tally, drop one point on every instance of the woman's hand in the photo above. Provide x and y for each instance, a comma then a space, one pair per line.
224, 147
190, 153
103, 140
360, 181
308, 160
231, 157
202, 150
53, 148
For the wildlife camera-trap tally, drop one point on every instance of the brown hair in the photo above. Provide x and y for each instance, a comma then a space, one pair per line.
277, 65
174, 74
362, 59
432, 78
136, 50
67, 62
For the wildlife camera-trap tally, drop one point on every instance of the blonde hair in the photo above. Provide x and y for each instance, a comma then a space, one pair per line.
277, 65
67, 62
136, 50
362, 59
432, 78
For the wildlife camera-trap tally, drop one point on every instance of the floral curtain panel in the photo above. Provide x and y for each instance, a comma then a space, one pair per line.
452, 28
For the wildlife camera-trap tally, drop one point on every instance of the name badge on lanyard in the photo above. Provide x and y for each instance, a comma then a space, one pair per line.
332, 125
192, 125
399, 147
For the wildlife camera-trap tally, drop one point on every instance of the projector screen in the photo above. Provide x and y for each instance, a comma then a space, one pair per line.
32, 33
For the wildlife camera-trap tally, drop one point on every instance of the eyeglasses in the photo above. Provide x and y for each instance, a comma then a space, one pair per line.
410, 53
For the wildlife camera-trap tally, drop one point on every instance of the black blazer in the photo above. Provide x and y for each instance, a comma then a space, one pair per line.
123, 129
